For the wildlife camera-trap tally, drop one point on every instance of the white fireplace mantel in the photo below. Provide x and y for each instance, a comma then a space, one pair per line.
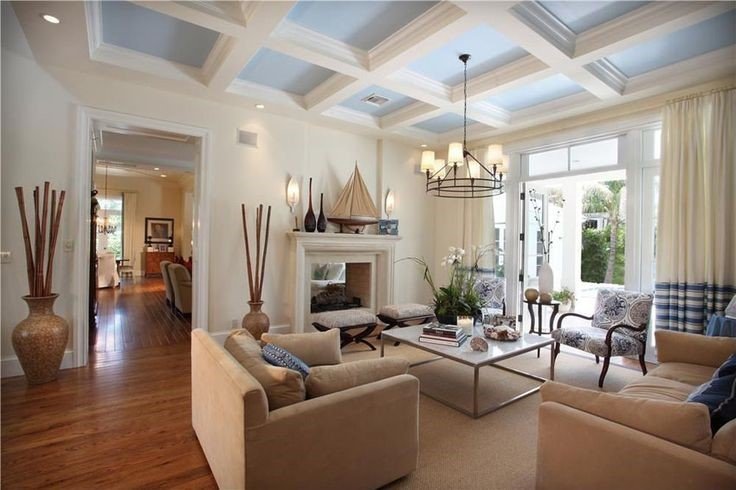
379, 250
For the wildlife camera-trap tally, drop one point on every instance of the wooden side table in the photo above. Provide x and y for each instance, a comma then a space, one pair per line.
538, 327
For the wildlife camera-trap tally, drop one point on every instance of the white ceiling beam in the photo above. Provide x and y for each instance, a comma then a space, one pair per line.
230, 53
410, 115
332, 91
197, 16
651, 21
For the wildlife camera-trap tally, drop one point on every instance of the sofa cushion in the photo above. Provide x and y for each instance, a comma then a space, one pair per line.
282, 386
655, 388
323, 380
278, 356
315, 349
593, 340
724, 443
686, 424
692, 374
719, 395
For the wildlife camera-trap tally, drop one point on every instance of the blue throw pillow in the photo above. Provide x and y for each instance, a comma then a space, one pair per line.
283, 358
727, 368
719, 395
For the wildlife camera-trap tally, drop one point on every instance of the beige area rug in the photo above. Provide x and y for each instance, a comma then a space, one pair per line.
499, 450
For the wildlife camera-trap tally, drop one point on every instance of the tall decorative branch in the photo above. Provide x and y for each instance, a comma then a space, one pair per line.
545, 237
257, 273
37, 255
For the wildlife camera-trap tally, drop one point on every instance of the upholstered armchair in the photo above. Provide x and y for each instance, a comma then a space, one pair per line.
617, 328
181, 283
492, 291
164, 265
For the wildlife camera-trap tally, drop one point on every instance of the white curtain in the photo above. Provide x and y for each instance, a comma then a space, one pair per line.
479, 225
131, 247
696, 236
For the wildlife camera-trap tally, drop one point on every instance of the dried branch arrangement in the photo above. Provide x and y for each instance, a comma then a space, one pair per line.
255, 277
36, 252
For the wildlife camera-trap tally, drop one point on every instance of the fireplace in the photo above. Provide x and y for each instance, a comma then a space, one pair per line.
334, 271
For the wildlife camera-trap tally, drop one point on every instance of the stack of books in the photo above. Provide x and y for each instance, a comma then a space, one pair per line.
437, 333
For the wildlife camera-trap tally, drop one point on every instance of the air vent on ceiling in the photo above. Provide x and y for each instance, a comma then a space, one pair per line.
375, 99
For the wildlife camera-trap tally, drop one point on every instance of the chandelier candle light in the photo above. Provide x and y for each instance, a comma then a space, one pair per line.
477, 180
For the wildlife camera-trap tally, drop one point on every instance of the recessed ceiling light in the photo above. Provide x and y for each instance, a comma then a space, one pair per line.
423, 146
163, 175
260, 106
156, 168
50, 19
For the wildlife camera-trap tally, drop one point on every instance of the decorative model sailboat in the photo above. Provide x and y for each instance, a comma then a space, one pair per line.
354, 206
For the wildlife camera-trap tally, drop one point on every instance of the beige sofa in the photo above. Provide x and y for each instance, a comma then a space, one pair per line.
181, 285
646, 436
359, 438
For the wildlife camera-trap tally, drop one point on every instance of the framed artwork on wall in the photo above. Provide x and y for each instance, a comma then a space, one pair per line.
159, 231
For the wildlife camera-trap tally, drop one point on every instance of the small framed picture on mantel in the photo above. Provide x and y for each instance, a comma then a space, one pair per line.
160, 231
388, 227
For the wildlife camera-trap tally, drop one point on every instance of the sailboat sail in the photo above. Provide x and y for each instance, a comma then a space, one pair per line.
354, 204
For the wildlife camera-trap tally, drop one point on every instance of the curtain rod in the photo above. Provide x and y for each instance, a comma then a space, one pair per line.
701, 94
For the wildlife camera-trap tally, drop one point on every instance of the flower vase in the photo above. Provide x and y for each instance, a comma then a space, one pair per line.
321, 221
255, 321
40, 340
310, 222
546, 279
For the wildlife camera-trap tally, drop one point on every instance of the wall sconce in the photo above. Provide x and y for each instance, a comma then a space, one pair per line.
292, 193
390, 203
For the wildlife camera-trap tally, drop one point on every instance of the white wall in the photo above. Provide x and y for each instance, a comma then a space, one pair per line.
39, 130
156, 198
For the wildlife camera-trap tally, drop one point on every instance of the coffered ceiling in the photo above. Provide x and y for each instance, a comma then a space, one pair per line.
532, 62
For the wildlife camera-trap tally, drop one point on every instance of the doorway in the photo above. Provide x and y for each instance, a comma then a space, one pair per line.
147, 173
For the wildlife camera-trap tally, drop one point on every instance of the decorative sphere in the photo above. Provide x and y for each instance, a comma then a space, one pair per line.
531, 294
545, 298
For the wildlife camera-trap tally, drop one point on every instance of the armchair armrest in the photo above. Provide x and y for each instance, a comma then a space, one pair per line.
578, 315
363, 437
622, 326
693, 348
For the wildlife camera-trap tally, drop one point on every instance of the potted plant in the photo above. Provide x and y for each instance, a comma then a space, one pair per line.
459, 296
566, 299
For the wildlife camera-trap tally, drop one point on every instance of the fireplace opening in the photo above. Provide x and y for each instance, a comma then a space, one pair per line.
340, 286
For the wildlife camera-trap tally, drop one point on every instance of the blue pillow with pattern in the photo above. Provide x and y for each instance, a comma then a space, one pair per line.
727, 368
280, 357
719, 395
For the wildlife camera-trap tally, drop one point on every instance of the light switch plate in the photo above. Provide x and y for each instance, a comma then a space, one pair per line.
5, 257
68, 245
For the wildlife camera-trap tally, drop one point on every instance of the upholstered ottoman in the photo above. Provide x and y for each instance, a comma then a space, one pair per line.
345, 320
405, 315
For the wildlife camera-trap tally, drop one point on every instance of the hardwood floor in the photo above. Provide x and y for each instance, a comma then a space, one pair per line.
122, 422
135, 316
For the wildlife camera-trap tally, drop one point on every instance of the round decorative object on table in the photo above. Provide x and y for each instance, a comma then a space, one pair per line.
502, 333
479, 344
546, 278
545, 298
255, 321
531, 294
40, 340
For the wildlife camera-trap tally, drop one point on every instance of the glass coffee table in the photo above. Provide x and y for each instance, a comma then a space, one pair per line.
497, 351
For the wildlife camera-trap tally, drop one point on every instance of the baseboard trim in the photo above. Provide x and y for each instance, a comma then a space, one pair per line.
10, 366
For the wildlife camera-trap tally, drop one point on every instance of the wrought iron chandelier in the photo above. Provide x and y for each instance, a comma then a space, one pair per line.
476, 180
104, 225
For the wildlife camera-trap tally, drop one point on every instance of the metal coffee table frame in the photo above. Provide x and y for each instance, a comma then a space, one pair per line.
538, 342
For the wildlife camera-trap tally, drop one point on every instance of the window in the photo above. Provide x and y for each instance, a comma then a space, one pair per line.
499, 218
597, 154
112, 207
651, 144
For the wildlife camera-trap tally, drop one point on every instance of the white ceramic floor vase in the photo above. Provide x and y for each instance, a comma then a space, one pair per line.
546, 278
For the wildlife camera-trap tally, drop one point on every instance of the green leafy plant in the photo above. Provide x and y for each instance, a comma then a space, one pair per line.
459, 296
563, 296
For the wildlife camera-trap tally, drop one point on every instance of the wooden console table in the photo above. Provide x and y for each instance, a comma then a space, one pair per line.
153, 261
